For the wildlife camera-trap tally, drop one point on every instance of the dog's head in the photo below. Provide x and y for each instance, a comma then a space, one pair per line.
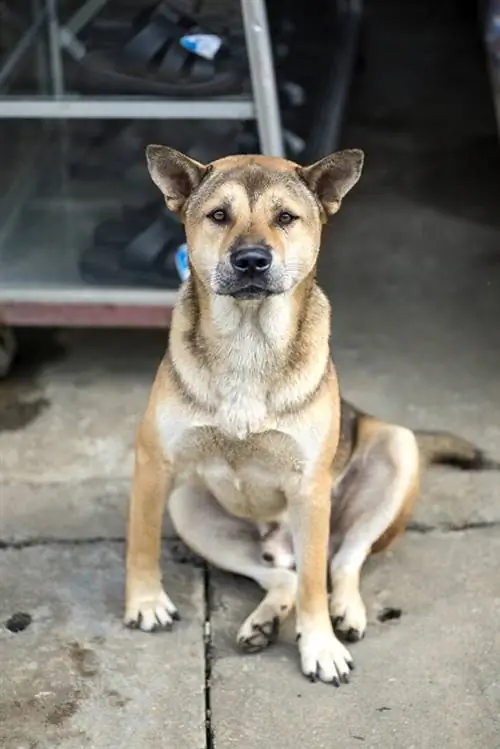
253, 223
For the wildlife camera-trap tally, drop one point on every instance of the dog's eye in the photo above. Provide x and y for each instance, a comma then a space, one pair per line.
285, 218
219, 216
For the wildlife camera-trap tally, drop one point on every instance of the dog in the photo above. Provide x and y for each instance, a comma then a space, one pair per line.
245, 426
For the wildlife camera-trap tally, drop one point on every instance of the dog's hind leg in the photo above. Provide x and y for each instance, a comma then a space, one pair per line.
231, 544
372, 501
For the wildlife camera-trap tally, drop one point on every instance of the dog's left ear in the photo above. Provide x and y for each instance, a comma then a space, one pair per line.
331, 178
174, 173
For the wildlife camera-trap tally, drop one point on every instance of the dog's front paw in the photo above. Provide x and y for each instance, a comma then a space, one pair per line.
151, 612
323, 656
348, 614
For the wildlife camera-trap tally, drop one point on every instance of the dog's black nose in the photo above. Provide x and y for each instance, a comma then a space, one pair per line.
251, 261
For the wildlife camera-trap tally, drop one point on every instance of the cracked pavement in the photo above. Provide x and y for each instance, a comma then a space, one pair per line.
427, 672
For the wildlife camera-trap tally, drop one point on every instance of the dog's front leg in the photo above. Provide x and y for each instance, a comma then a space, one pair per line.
322, 655
148, 607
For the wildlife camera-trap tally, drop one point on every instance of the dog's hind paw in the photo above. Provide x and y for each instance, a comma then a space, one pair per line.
255, 636
262, 627
151, 613
348, 616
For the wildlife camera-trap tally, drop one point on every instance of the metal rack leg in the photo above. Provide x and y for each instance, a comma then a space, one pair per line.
55, 52
350, 12
262, 75
40, 68
328, 114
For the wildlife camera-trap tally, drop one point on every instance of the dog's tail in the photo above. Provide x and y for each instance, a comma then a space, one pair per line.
445, 448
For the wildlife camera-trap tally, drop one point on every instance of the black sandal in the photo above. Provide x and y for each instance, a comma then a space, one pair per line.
156, 55
125, 253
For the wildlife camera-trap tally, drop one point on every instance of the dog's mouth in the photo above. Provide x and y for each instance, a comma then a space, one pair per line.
245, 289
248, 286
251, 291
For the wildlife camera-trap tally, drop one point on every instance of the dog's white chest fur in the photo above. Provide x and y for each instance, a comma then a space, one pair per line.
237, 389
242, 407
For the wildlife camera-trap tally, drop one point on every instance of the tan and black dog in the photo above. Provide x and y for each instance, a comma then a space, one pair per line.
244, 420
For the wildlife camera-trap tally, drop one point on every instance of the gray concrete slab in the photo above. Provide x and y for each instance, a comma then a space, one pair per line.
67, 420
70, 510
71, 408
428, 679
76, 677
65, 510
456, 499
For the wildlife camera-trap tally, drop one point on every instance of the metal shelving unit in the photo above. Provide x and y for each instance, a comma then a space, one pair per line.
262, 106
39, 246
45, 218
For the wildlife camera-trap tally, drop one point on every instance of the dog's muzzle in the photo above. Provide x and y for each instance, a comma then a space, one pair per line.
249, 275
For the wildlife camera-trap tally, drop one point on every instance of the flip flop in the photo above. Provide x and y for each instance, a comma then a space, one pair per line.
147, 258
162, 52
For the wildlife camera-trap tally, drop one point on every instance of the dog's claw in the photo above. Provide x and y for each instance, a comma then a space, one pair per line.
151, 613
353, 635
262, 635
323, 655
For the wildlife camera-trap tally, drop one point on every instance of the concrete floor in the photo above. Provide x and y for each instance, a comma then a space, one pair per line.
412, 264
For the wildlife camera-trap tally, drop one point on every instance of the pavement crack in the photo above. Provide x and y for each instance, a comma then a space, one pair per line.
208, 652
413, 527
423, 528
28, 543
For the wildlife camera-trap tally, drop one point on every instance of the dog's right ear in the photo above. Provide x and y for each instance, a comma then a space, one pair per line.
175, 174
